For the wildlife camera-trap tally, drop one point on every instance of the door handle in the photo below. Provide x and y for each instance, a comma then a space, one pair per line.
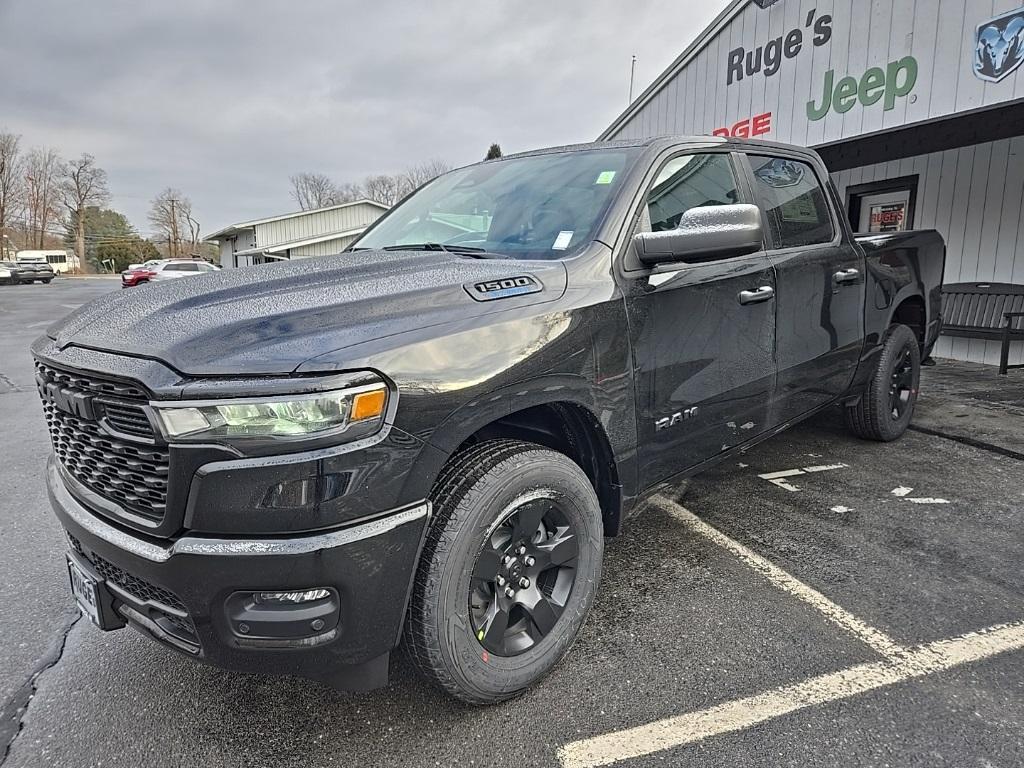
847, 276
764, 293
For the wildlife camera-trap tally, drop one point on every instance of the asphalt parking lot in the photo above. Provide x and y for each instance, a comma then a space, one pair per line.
821, 601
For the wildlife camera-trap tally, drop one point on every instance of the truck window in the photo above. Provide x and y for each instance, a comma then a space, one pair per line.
690, 181
793, 200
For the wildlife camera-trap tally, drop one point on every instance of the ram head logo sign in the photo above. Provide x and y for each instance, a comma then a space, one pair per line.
1000, 47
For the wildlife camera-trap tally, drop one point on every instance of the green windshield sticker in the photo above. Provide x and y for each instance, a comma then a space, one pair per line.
605, 177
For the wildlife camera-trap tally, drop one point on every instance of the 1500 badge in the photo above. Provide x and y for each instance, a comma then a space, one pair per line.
504, 288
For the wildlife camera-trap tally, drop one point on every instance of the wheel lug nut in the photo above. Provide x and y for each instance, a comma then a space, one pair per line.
501, 581
507, 559
521, 550
530, 561
509, 592
524, 583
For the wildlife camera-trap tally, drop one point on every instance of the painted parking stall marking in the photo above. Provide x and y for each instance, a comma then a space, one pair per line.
781, 479
899, 664
738, 715
877, 640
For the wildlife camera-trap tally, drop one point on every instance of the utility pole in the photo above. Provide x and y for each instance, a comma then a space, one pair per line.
632, 73
173, 248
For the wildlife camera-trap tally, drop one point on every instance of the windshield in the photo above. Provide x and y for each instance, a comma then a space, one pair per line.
538, 207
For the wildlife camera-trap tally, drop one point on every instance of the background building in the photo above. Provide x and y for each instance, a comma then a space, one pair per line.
916, 106
320, 232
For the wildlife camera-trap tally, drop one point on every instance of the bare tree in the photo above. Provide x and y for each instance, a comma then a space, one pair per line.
43, 169
313, 190
349, 193
416, 176
170, 213
84, 184
384, 188
12, 183
193, 228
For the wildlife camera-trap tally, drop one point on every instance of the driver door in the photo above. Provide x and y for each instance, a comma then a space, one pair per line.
704, 352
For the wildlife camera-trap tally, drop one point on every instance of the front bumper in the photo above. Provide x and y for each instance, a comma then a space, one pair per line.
177, 592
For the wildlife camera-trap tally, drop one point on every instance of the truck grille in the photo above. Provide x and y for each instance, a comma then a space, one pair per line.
131, 474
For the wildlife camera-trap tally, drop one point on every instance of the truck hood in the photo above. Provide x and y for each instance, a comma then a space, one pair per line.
269, 319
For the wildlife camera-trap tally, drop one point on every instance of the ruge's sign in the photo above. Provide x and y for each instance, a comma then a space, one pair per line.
896, 81
770, 56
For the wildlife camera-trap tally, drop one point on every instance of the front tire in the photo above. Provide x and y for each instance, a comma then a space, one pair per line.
508, 573
885, 409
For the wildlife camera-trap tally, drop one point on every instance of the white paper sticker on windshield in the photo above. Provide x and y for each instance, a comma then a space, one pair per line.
605, 177
562, 241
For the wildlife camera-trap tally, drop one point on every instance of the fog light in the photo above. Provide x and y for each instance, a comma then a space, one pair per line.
306, 596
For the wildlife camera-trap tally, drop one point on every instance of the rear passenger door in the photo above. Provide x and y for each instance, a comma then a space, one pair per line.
703, 348
820, 285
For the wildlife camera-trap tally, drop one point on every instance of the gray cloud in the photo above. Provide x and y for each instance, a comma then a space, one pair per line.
225, 100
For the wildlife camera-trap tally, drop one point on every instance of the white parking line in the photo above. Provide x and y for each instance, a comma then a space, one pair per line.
899, 665
736, 715
875, 638
779, 478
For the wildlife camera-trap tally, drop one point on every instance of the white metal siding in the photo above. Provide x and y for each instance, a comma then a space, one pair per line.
940, 34
315, 223
326, 248
974, 196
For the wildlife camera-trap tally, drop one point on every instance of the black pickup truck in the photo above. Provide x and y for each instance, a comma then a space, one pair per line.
426, 440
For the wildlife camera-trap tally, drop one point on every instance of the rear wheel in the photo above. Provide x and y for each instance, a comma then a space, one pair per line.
885, 410
509, 570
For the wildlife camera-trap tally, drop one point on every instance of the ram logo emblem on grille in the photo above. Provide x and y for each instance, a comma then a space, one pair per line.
504, 288
76, 403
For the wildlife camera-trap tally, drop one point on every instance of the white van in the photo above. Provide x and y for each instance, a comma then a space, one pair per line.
60, 261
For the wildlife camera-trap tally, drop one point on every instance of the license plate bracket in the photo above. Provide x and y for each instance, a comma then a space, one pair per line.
93, 598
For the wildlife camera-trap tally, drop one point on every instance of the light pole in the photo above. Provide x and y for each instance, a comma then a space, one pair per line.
632, 73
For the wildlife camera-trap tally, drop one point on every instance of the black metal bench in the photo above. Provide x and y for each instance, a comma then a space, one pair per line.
985, 311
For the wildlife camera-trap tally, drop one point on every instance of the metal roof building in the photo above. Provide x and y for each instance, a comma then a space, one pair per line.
320, 232
916, 106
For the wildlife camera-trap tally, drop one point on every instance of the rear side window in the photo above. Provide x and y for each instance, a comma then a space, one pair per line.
793, 200
687, 182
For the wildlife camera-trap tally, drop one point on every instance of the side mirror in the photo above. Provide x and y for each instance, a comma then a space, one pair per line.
704, 234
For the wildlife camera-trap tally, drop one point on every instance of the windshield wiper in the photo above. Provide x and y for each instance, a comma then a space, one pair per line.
460, 249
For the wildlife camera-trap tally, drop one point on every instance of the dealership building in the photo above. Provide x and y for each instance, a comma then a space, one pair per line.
916, 106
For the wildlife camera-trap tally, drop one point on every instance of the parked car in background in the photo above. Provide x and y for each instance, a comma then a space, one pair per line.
166, 269
60, 261
33, 269
144, 265
11, 272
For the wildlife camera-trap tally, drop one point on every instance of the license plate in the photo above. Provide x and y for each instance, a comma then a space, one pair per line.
86, 589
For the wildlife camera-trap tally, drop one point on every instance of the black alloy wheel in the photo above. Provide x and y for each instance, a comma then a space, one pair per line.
902, 385
523, 578
509, 569
886, 405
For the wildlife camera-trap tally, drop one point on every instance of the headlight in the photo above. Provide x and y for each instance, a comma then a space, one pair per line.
353, 411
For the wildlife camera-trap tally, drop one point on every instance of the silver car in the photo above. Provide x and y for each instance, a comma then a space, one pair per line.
165, 269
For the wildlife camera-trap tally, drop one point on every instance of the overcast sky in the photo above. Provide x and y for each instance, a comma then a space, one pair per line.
225, 99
